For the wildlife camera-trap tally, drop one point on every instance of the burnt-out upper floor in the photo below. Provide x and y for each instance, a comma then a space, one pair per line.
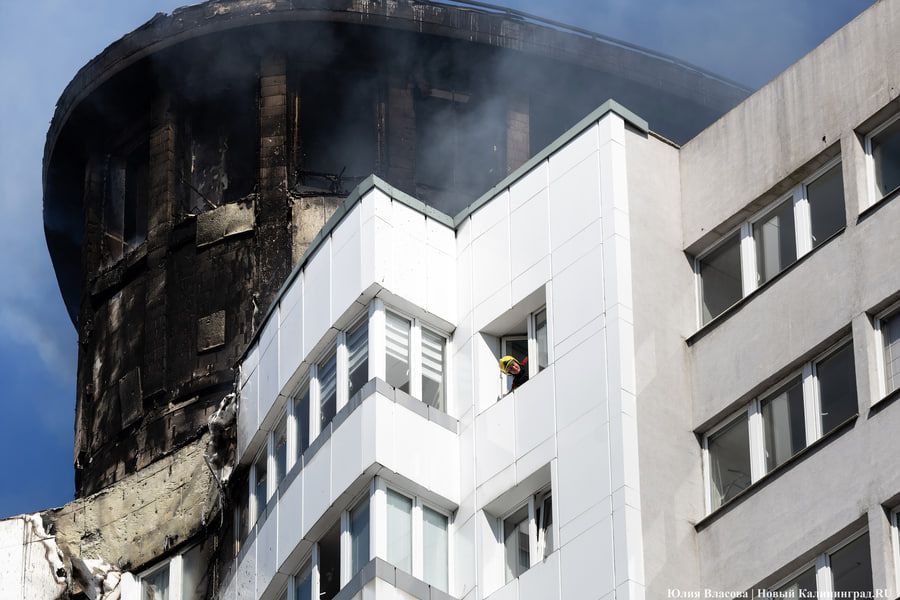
442, 101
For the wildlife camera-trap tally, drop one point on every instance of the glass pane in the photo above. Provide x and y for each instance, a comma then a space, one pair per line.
301, 419
242, 514
776, 246
156, 585
783, 424
515, 543
397, 351
540, 334
826, 204
359, 537
303, 585
544, 518
399, 531
194, 581
434, 548
280, 450
358, 354
886, 156
330, 563
837, 388
804, 582
890, 332
433, 369
729, 461
327, 391
851, 567
517, 347
260, 485
720, 278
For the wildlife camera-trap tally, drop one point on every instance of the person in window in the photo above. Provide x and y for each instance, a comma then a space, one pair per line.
518, 371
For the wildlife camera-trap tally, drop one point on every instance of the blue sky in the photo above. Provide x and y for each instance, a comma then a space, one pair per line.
43, 43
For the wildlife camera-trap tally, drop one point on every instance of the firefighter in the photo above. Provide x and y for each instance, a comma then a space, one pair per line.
519, 371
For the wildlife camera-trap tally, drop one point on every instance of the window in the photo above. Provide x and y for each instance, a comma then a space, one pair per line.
303, 584
182, 577
399, 530
359, 536
433, 349
528, 535
330, 563
720, 278
155, 585
417, 530
397, 351
415, 358
883, 149
326, 374
533, 343
241, 515
435, 549
770, 242
729, 460
357, 357
260, 489
780, 423
279, 440
300, 412
887, 328
845, 569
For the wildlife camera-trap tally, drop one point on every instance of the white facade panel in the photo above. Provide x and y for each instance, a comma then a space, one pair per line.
529, 234
317, 296
529, 185
266, 551
490, 262
317, 492
495, 443
586, 563
535, 420
290, 344
346, 268
584, 469
575, 198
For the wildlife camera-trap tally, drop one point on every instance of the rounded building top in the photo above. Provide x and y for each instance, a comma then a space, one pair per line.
454, 53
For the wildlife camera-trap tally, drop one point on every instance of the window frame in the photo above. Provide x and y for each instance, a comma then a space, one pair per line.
821, 565
536, 551
530, 337
882, 368
812, 418
378, 343
874, 195
417, 533
174, 564
804, 244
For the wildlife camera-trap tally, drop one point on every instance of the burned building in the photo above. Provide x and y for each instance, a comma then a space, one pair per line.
190, 166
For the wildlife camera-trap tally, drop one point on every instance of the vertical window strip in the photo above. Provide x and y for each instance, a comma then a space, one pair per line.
399, 530
435, 549
890, 334
397, 351
327, 376
357, 354
433, 369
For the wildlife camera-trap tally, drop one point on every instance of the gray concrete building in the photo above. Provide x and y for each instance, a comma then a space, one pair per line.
711, 318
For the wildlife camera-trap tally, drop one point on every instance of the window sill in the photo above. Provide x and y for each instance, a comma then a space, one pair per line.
875, 206
775, 473
883, 402
734, 308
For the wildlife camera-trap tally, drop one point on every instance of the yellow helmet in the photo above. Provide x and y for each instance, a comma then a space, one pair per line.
504, 363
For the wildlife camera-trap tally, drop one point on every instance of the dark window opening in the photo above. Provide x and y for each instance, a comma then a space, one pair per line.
218, 148
330, 563
332, 137
125, 197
